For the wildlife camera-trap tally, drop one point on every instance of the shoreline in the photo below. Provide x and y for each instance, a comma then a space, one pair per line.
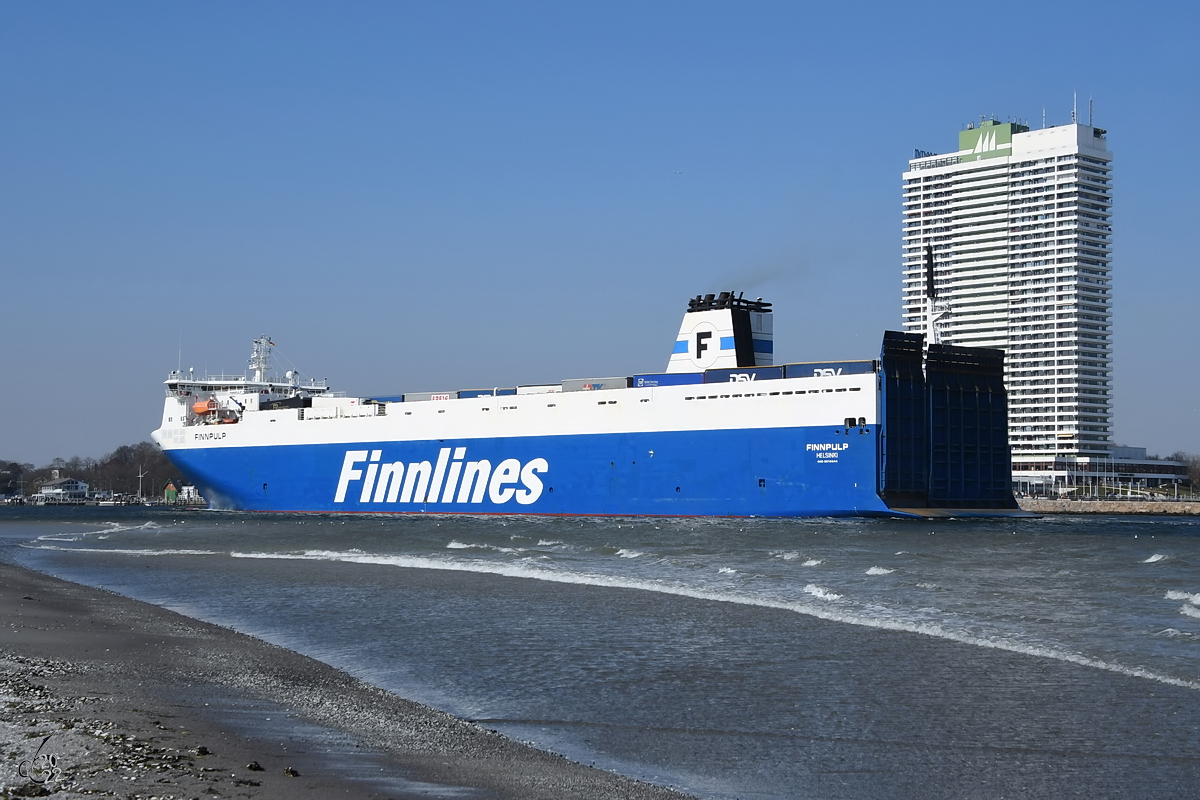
1142, 508
142, 701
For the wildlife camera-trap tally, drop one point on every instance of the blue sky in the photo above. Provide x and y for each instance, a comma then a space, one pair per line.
413, 197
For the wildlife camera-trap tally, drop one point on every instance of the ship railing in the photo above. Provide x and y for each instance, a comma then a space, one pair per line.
342, 412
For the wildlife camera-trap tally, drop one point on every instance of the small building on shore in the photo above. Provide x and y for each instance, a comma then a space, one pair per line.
1124, 470
62, 490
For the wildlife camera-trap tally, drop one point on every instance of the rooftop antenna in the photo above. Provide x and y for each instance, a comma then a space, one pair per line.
935, 309
1074, 107
1090, 109
930, 286
1043, 117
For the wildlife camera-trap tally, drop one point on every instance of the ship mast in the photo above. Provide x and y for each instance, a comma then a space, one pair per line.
260, 358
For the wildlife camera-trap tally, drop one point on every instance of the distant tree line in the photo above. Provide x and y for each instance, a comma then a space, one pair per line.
1193, 464
116, 472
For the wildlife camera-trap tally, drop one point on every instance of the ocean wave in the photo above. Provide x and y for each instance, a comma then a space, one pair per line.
813, 562
1175, 633
127, 552
623, 553
1190, 611
726, 571
880, 571
790, 555
109, 529
454, 545
1154, 559
548, 542
821, 592
1171, 594
840, 612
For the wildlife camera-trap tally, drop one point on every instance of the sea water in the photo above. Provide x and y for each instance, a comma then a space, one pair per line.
728, 658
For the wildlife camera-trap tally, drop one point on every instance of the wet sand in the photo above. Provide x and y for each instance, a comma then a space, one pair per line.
140, 701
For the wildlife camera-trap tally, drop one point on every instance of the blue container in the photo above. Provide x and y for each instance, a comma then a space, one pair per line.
465, 393
816, 369
668, 379
388, 398
743, 374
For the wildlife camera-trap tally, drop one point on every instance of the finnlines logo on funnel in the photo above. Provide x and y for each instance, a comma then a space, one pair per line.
450, 480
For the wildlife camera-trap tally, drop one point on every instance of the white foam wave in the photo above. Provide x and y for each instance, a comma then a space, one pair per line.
1190, 611
821, 592
623, 553
109, 529
726, 571
791, 555
813, 562
120, 552
880, 571
1175, 633
1194, 599
548, 542
1154, 559
453, 545
833, 613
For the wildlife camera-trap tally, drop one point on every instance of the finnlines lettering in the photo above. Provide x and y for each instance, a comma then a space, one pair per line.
449, 480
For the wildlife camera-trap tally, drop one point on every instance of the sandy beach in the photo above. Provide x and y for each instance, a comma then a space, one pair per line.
138, 701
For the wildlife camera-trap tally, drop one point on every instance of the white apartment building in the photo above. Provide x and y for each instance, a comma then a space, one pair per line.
1018, 222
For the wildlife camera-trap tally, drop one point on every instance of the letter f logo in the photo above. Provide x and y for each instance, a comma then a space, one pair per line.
349, 473
700, 345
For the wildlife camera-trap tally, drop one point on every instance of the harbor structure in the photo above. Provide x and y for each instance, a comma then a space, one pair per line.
1007, 244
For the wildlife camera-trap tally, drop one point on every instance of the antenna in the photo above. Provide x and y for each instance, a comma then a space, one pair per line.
936, 310
1090, 109
930, 288
1074, 107
1043, 117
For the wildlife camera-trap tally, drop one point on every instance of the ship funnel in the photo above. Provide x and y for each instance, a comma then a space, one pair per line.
721, 331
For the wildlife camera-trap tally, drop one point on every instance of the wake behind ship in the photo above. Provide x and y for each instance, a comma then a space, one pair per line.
920, 431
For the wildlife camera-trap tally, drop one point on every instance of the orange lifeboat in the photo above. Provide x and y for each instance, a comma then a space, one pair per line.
202, 407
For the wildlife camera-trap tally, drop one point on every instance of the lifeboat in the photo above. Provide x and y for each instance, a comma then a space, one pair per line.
202, 407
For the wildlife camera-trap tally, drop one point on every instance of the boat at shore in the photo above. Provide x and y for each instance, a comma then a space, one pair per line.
919, 431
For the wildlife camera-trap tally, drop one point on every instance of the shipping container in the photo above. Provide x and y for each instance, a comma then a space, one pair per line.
743, 374
823, 369
412, 397
546, 388
594, 384
467, 393
668, 379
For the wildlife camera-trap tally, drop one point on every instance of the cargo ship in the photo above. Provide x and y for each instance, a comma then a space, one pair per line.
919, 431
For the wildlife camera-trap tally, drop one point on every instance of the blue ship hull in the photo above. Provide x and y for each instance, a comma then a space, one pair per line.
773, 472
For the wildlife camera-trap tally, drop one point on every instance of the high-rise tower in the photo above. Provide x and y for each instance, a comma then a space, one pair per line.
1017, 226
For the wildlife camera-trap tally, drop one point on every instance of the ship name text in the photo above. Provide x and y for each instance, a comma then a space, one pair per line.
450, 479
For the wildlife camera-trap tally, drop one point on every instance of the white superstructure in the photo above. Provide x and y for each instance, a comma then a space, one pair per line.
1018, 222
222, 399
